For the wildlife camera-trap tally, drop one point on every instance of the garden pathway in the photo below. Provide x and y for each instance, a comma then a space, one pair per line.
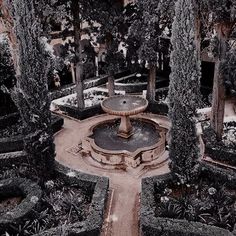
123, 205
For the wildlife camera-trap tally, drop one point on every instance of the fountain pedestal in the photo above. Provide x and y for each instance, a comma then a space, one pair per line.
125, 128
124, 106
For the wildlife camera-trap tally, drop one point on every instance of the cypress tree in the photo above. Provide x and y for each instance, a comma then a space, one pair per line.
184, 94
31, 92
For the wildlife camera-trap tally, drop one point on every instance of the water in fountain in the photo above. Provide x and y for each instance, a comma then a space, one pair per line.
144, 135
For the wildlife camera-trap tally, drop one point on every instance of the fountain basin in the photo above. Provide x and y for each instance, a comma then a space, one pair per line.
146, 144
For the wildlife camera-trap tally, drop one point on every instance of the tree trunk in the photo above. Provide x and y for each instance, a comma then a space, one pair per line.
79, 86
151, 86
111, 85
78, 54
72, 66
198, 36
218, 104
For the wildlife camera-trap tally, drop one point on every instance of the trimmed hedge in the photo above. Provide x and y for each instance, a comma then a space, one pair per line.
12, 158
31, 194
8, 120
14, 144
98, 187
217, 150
152, 225
11, 144
82, 114
158, 108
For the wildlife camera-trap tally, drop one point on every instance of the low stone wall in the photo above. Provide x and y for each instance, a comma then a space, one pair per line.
98, 186
31, 194
217, 150
151, 225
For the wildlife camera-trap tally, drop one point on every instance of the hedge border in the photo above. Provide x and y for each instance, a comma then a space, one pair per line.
15, 143
13, 158
99, 186
31, 201
82, 114
152, 225
158, 108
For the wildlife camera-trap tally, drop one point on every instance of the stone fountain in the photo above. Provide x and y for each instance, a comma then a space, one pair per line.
127, 138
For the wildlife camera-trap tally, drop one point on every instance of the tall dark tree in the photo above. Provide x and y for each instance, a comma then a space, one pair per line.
148, 26
31, 92
184, 93
224, 18
109, 14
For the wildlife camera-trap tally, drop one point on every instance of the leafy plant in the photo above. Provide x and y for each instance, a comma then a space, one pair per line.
211, 204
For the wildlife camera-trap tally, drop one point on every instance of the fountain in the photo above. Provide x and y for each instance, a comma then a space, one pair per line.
129, 138
124, 106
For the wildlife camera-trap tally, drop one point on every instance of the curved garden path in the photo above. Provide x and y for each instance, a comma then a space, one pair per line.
123, 205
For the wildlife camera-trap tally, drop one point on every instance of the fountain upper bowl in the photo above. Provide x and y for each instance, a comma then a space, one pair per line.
124, 105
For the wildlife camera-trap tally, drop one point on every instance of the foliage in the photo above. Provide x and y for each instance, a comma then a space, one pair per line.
228, 68
229, 135
149, 23
111, 31
7, 72
211, 204
223, 10
31, 92
184, 94
61, 205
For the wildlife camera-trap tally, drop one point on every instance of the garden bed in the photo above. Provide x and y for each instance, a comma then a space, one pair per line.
169, 208
225, 150
71, 204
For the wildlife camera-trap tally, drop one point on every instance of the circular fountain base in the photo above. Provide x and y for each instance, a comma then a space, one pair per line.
146, 144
